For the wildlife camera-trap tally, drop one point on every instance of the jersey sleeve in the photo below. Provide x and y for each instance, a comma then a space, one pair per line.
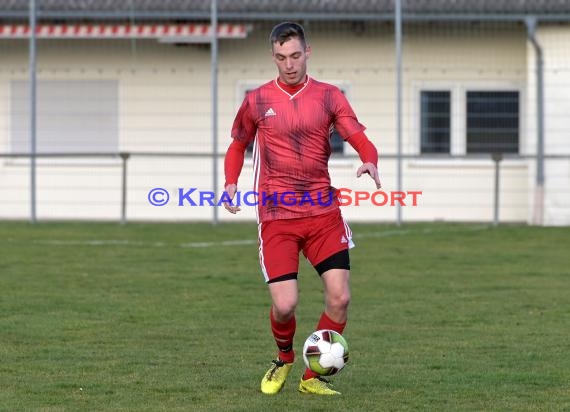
243, 133
345, 120
244, 127
364, 147
233, 162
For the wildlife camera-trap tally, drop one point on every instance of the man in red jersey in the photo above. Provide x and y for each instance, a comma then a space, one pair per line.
289, 119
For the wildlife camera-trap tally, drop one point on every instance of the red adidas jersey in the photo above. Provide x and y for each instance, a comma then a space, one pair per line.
292, 146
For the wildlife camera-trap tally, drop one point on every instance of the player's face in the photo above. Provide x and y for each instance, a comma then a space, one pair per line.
291, 60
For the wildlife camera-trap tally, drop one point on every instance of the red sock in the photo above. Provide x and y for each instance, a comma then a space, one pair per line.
324, 323
283, 334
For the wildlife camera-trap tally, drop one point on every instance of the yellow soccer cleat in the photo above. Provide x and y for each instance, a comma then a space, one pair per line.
318, 386
275, 377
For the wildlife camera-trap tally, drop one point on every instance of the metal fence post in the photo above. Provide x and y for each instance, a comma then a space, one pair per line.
214, 62
497, 157
124, 157
398, 37
33, 105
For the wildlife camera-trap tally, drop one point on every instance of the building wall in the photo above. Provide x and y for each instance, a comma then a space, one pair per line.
554, 41
165, 106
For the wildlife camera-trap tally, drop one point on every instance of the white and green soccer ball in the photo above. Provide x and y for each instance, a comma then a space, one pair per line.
325, 352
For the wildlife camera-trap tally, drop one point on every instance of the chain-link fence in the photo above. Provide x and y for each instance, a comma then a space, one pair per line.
104, 103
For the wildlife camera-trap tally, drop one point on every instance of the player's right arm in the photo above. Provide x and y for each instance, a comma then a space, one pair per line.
243, 133
233, 164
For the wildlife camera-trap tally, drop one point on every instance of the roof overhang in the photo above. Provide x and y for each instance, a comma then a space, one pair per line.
174, 33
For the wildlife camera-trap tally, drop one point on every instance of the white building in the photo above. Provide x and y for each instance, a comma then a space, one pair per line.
139, 81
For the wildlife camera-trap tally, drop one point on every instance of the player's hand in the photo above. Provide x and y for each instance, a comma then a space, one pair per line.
372, 171
231, 190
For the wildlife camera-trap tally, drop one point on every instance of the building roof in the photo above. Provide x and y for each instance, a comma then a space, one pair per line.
268, 9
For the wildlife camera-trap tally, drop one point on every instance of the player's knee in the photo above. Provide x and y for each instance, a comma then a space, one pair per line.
339, 301
344, 300
284, 309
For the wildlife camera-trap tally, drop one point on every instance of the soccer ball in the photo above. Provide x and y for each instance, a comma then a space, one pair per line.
325, 352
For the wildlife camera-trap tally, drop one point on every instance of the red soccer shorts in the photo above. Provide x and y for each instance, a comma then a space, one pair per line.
318, 237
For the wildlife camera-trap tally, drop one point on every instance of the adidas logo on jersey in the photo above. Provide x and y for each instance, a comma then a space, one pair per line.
343, 240
270, 112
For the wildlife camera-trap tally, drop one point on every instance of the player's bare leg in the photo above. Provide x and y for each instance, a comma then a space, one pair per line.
337, 294
284, 296
337, 298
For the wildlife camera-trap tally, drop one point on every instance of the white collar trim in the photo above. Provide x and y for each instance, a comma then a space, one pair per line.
291, 96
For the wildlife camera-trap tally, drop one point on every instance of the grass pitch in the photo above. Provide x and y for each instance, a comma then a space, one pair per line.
165, 317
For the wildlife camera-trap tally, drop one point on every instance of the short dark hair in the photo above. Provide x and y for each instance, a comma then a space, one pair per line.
286, 31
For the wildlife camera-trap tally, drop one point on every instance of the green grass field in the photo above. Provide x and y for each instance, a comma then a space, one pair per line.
164, 317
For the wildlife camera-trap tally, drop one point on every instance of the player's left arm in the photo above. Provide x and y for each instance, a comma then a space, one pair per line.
347, 124
368, 154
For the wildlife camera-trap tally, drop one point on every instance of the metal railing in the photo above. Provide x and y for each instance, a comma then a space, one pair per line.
126, 156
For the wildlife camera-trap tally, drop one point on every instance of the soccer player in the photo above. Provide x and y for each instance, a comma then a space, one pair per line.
289, 119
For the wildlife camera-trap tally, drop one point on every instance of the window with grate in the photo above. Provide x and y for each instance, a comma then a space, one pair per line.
492, 121
435, 127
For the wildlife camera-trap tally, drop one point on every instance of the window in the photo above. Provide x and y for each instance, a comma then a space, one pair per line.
435, 128
250, 146
72, 116
337, 143
492, 121
468, 119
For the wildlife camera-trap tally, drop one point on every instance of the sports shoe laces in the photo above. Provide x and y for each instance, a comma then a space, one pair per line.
277, 364
324, 381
